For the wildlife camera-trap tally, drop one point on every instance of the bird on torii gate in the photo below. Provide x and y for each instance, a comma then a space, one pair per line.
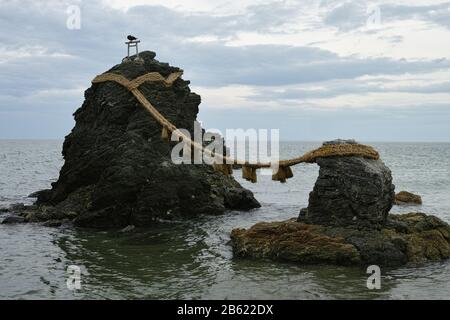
132, 43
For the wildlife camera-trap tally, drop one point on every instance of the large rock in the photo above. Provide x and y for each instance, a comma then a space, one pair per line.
350, 191
118, 171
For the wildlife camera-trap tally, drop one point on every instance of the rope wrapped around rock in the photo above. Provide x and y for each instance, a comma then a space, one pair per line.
225, 162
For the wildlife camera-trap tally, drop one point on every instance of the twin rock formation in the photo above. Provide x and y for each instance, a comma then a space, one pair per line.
118, 172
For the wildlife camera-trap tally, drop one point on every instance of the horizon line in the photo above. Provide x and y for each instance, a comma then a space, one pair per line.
281, 140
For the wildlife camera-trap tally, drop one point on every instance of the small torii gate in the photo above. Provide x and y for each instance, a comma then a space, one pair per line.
132, 43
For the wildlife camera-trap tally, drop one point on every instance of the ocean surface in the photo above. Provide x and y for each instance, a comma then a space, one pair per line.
192, 259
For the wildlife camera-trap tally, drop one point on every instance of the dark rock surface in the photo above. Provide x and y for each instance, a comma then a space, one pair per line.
118, 171
13, 219
52, 223
350, 191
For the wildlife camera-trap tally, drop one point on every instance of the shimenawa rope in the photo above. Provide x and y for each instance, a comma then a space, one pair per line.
225, 162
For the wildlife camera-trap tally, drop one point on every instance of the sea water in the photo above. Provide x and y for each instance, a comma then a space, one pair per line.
193, 259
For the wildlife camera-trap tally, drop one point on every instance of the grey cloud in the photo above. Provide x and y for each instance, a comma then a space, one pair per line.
281, 65
99, 44
347, 16
415, 123
335, 88
352, 15
439, 14
258, 18
162, 29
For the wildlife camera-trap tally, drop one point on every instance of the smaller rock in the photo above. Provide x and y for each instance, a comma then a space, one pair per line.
303, 216
293, 241
52, 223
405, 197
17, 207
42, 195
34, 194
414, 237
71, 214
13, 220
128, 229
3, 210
31, 217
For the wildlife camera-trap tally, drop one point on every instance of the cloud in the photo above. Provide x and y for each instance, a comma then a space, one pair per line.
216, 65
348, 15
44, 66
415, 123
436, 13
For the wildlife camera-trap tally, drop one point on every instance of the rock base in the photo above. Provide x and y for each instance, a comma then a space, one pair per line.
292, 241
413, 237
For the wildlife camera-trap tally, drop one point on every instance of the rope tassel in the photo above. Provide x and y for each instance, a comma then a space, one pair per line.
165, 134
249, 174
226, 169
289, 173
282, 174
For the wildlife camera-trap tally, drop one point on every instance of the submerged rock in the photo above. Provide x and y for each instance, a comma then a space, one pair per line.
17, 207
350, 191
52, 223
413, 237
13, 219
405, 198
118, 171
127, 229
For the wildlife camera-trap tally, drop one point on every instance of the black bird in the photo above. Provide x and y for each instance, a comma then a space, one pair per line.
131, 38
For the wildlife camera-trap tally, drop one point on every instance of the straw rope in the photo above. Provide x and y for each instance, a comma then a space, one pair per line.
225, 162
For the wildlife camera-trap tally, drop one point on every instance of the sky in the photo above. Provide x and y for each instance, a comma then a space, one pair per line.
314, 69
